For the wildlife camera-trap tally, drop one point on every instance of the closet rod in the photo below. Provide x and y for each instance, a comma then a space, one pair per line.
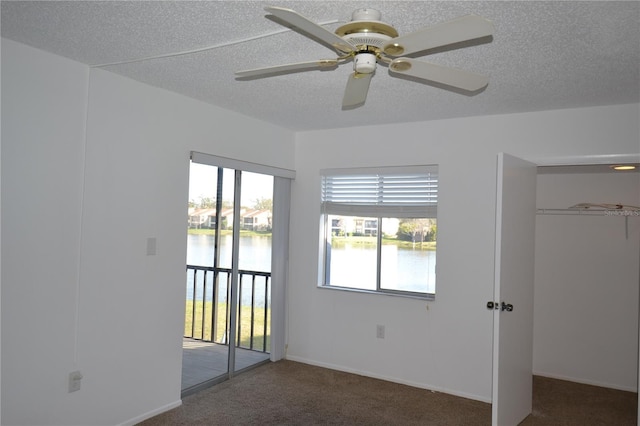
569, 212
612, 213
581, 212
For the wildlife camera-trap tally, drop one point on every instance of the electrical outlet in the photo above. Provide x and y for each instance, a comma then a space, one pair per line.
380, 331
75, 378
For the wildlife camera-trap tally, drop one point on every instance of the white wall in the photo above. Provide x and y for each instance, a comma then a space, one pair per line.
449, 345
586, 282
43, 104
78, 290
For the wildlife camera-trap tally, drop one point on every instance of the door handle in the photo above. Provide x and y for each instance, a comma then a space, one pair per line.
502, 306
506, 307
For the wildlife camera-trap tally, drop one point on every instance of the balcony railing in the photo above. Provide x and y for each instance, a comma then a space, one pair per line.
207, 315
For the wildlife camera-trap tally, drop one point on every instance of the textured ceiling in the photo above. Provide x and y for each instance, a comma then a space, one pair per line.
544, 55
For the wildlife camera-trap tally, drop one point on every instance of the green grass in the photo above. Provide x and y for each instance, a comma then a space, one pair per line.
244, 321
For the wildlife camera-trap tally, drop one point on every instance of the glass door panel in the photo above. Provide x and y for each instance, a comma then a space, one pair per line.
205, 348
212, 352
254, 264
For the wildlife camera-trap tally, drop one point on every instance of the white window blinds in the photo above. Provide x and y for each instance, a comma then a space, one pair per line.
395, 192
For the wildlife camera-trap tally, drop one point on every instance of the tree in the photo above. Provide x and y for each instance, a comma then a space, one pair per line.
433, 233
207, 203
417, 230
263, 204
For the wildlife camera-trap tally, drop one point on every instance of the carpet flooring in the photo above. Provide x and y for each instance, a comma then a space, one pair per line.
292, 393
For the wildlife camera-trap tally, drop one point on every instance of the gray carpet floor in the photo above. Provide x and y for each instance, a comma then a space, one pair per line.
291, 393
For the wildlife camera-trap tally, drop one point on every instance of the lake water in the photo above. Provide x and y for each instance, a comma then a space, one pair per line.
355, 264
406, 269
255, 252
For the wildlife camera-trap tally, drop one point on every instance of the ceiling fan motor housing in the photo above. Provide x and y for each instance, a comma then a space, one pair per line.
365, 30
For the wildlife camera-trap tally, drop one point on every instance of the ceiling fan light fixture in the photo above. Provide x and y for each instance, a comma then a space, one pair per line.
364, 63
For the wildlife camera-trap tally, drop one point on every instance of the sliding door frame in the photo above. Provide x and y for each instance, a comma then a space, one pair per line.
279, 244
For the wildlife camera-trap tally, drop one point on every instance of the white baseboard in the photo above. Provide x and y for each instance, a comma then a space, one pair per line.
390, 379
586, 381
151, 413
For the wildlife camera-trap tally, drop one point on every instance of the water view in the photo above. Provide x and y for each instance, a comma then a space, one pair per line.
255, 251
413, 267
254, 255
402, 268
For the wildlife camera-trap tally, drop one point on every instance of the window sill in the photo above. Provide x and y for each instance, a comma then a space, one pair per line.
426, 296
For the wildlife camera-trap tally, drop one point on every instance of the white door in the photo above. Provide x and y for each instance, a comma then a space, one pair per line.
513, 291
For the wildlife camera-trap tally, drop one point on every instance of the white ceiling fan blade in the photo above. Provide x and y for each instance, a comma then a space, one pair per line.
300, 66
465, 80
311, 28
356, 92
461, 29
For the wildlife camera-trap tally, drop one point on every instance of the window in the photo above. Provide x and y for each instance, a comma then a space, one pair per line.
379, 230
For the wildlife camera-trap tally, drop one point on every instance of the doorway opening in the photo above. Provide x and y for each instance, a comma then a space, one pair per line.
228, 274
587, 254
582, 257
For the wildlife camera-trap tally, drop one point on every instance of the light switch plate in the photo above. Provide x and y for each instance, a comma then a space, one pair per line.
151, 246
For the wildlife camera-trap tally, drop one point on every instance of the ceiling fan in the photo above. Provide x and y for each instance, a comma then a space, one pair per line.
366, 40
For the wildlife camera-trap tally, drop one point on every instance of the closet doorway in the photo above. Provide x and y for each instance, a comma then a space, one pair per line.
586, 275
585, 299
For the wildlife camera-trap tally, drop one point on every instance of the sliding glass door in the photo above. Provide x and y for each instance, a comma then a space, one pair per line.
228, 307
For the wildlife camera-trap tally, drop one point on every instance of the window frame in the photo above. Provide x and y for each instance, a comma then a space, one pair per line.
402, 210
